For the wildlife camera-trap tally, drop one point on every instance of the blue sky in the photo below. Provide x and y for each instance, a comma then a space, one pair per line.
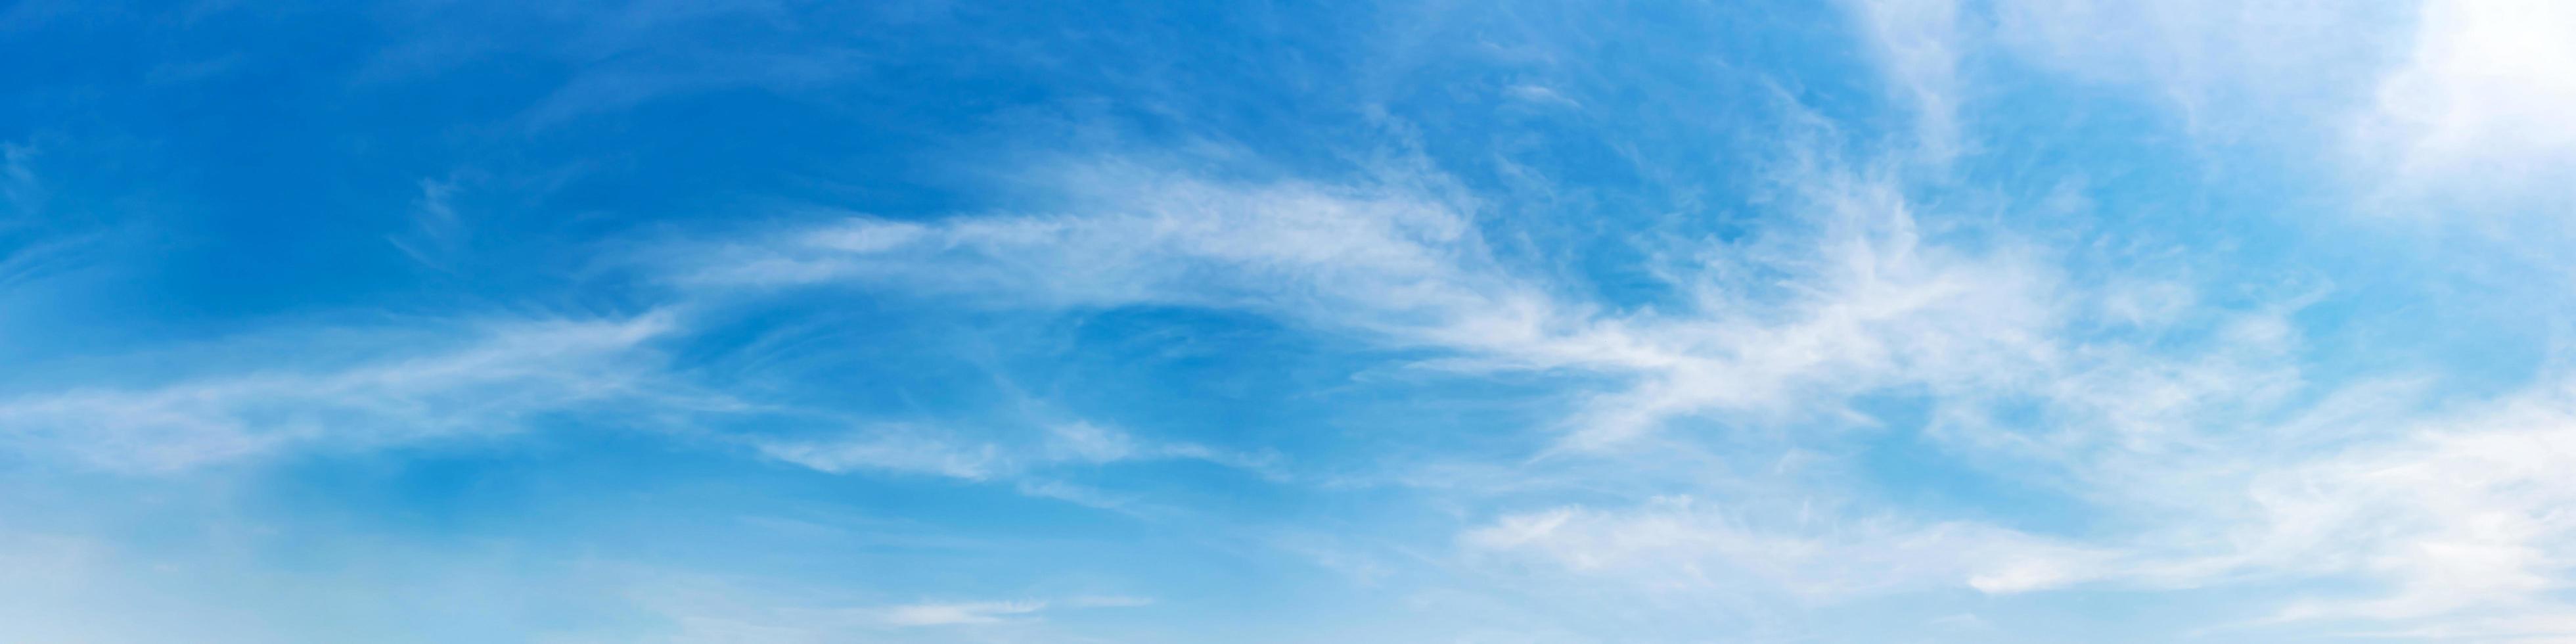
778, 321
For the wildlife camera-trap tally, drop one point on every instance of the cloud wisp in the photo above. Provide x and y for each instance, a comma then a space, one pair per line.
495, 380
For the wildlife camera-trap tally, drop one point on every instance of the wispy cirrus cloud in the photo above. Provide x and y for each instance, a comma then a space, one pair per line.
960, 613
720, 608
1918, 45
2227, 70
1680, 545
1030, 465
34, 241
1787, 328
496, 378
2455, 518
1848, 298
902, 449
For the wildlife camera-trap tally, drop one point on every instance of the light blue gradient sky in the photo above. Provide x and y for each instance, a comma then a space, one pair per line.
780, 321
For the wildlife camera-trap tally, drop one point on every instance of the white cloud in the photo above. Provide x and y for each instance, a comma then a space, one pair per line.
1918, 45
959, 613
1541, 95
35, 242
1401, 263
892, 448
2230, 69
1083, 441
712, 608
2437, 106
1861, 303
906, 448
2242, 464
437, 233
1025, 463
2234, 467
635, 602
19, 189
492, 382
2466, 513
1847, 298
989, 612
2480, 102
1676, 544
